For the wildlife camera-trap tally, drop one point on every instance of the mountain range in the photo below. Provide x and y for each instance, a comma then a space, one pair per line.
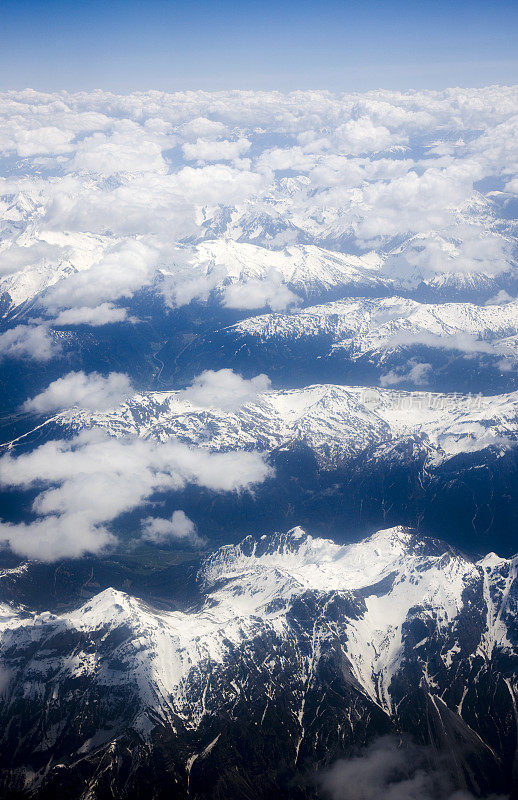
258, 462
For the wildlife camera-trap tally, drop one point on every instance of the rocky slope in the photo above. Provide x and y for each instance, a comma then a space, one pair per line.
337, 423
376, 326
299, 647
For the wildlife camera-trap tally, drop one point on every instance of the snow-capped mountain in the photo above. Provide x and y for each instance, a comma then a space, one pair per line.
388, 341
380, 325
311, 272
34, 258
305, 646
335, 422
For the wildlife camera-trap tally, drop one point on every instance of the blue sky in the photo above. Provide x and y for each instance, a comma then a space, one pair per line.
274, 44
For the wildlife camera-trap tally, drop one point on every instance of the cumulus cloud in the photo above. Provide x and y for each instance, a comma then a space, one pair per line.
224, 389
268, 292
129, 148
91, 479
414, 372
120, 272
103, 314
32, 342
57, 536
363, 136
461, 249
288, 158
188, 280
392, 768
217, 184
201, 127
92, 392
138, 175
46, 140
420, 199
178, 528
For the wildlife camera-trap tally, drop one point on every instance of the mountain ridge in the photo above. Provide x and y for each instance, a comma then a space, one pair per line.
401, 610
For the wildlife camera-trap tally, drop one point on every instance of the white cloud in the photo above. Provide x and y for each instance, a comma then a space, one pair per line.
287, 158
414, 372
201, 127
130, 148
366, 168
363, 136
57, 536
224, 389
221, 150
28, 341
91, 479
120, 272
181, 288
216, 184
416, 201
92, 392
102, 314
178, 528
48, 140
16, 257
463, 342
268, 292
501, 298
461, 249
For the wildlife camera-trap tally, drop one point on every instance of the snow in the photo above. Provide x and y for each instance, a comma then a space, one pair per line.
304, 267
336, 422
164, 652
363, 325
79, 252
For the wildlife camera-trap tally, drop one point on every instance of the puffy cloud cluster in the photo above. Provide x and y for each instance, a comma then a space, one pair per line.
33, 342
224, 389
99, 192
101, 314
269, 292
92, 479
415, 372
207, 150
128, 147
119, 273
470, 249
178, 528
92, 392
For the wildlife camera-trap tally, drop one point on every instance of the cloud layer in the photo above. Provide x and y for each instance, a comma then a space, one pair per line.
104, 195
